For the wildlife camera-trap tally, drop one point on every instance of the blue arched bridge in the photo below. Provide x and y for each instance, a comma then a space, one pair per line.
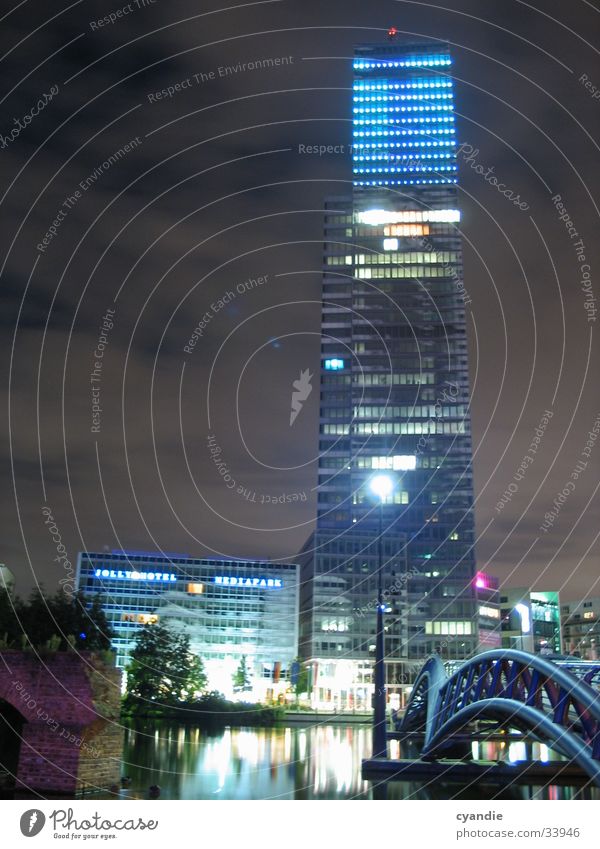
556, 702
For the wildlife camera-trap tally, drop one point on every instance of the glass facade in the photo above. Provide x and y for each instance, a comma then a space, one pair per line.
393, 321
581, 628
531, 621
229, 608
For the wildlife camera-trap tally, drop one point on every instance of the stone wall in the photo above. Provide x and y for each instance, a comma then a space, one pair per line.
71, 739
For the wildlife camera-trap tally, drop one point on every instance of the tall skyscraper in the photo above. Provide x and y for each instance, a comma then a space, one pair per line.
394, 390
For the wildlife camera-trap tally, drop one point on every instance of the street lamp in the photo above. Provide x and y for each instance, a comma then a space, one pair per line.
381, 486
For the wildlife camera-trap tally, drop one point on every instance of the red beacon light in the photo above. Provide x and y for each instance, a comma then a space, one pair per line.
392, 32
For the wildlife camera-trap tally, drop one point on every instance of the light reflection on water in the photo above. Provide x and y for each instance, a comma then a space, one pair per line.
317, 762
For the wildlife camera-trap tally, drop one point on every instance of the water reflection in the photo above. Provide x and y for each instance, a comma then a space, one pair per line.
318, 762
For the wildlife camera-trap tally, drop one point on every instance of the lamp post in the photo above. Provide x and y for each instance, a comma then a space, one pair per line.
381, 486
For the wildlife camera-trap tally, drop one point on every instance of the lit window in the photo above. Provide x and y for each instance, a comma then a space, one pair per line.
398, 462
195, 589
407, 230
390, 244
376, 217
492, 612
589, 615
334, 364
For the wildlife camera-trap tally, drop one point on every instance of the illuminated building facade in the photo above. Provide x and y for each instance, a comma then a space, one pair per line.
581, 628
394, 387
229, 608
487, 595
531, 620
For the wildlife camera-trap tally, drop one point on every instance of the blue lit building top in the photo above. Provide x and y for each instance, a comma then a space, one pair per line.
403, 116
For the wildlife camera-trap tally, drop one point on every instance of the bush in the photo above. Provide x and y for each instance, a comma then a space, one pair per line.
210, 709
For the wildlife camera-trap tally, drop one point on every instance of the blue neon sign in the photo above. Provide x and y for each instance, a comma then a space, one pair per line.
125, 575
233, 581
334, 364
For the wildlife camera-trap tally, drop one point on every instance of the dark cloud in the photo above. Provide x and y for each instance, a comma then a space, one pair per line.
176, 223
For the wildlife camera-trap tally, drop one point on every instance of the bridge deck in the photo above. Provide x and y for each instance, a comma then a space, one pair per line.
493, 772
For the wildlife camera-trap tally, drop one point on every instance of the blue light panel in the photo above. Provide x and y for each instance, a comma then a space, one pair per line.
403, 126
334, 364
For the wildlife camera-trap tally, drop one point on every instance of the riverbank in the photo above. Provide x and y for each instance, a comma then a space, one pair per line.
211, 710
310, 717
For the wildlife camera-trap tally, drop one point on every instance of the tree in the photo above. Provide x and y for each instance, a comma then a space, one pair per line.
162, 667
92, 631
10, 611
187, 678
241, 677
59, 621
299, 673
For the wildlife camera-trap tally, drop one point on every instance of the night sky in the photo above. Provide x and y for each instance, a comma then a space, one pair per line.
191, 196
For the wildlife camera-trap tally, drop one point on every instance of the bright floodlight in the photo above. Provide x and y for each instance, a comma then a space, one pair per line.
381, 485
523, 612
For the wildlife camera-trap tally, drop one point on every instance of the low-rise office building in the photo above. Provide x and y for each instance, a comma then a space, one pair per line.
531, 620
487, 594
581, 627
230, 609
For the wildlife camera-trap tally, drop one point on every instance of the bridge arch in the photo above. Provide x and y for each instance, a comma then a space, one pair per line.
68, 705
529, 692
11, 732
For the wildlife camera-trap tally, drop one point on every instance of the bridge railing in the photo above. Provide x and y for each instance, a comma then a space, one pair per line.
557, 702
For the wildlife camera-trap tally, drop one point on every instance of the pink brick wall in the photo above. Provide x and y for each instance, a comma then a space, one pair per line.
72, 739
